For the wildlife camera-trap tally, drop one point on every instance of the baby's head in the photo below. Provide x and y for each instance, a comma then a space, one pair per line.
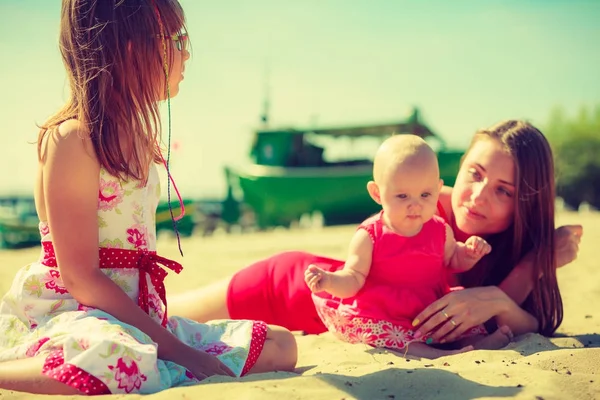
406, 182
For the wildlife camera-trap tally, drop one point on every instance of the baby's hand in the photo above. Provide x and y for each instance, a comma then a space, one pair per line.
477, 247
316, 278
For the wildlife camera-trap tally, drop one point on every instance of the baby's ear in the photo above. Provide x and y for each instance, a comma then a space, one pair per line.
441, 184
373, 190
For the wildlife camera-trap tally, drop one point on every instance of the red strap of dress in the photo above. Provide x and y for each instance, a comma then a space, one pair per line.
148, 262
442, 212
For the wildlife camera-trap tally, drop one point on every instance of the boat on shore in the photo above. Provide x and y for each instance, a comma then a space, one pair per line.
19, 224
295, 172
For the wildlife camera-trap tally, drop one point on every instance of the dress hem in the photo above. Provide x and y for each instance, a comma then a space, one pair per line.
73, 376
257, 343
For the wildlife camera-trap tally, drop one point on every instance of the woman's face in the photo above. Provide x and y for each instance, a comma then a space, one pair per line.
483, 200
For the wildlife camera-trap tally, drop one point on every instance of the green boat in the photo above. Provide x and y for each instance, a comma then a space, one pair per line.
185, 226
296, 172
19, 221
19, 224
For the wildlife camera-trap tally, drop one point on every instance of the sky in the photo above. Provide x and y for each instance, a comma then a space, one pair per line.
464, 64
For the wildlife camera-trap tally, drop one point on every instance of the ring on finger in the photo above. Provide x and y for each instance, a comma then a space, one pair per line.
452, 322
444, 314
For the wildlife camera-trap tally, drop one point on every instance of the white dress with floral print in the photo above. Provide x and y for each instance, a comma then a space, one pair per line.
91, 350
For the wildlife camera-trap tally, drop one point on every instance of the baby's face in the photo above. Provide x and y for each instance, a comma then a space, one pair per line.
409, 197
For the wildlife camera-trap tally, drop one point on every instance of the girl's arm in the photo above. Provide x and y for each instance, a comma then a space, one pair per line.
349, 280
70, 174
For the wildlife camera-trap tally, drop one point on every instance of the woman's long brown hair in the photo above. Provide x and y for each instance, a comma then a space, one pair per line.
532, 230
114, 59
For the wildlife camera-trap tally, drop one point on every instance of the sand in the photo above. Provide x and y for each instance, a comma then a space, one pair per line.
566, 366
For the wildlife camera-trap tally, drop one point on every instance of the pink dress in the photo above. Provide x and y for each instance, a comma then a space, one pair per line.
407, 274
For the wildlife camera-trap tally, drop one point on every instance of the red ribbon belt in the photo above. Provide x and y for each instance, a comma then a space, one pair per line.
148, 262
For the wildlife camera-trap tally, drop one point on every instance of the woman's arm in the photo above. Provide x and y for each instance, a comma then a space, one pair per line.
520, 281
512, 315
471, 307
475, 306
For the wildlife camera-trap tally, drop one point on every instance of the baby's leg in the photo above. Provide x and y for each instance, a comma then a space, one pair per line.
279, 353
25, 375
418, 349
497, 340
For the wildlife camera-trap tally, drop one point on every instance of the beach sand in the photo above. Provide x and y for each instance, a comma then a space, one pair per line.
566, 366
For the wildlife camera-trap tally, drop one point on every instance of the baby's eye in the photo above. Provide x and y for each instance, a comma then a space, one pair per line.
475, 174
401, 196
425, 195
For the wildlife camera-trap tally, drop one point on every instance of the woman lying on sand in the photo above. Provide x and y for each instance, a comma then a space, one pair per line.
504, 192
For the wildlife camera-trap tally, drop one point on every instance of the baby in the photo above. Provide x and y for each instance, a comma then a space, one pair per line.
398, 259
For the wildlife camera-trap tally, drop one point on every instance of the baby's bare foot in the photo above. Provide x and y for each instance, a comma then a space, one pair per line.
463, 350
497, 340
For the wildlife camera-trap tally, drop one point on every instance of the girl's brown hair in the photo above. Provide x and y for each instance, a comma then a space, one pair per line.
532, 230
114, 56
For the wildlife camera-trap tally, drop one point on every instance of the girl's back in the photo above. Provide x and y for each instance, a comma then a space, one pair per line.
125, 214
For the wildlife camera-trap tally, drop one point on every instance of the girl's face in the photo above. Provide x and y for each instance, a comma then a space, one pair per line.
483, 197
180, 54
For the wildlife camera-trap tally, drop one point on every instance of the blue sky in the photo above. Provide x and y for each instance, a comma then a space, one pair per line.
465, 64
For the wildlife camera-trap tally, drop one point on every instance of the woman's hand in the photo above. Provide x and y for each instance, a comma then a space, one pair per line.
447, 318
567, 239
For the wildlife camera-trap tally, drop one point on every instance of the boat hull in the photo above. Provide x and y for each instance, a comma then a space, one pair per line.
16, 233
280, 195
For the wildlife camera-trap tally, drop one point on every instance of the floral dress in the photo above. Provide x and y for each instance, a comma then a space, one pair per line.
91, 350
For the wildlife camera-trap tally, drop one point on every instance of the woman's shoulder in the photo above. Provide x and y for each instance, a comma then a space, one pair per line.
445, 203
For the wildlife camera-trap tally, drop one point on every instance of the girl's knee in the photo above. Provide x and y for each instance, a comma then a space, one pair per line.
286, 348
